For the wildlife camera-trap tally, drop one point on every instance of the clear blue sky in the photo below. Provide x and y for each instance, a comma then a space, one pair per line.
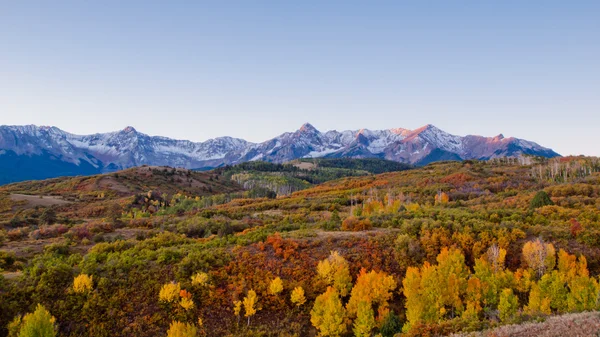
254, 69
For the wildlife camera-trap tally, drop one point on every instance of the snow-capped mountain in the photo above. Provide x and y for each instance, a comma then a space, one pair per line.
36, 152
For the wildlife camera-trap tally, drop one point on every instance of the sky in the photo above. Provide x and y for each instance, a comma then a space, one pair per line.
255, 69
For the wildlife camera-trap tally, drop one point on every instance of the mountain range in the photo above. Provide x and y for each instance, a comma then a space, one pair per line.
38, 152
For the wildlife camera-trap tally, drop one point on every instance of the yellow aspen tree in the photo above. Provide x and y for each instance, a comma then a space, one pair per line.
495, 256
452, 279
276, 286
82, 283
335, 272
583, 289
492, 282
40, 323
179, 329
441, 198
539, 256
327, 314
537, 303
365, 320
509, 303
567, 265
473, 298
297, 296
250, 305
200, 279
373, 288
237, 308
524, 279
14, 326
415, 301
169, 292
553, 288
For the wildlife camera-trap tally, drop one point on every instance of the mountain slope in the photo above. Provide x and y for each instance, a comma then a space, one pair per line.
43, 152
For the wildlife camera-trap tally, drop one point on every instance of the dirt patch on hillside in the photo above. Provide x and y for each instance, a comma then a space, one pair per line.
12, 275
109, 182
345, 234
39, 200
270, 212
28, 248
305, 165
574, 325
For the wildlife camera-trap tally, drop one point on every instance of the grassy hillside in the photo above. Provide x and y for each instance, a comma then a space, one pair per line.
127, 182
73, 200
445, 248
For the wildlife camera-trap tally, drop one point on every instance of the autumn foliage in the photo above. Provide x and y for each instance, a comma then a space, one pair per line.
454, 246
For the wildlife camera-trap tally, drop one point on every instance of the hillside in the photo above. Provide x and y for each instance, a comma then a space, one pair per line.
76, 199
585, 324
301, 174
444, 248
128, 182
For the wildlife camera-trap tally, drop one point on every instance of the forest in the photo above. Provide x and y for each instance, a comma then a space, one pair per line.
444, 248
283, 179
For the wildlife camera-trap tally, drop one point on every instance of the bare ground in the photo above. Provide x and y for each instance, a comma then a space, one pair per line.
11, 275
344, 234
39, 200
305, 165
109, 182
572, 325
28, 248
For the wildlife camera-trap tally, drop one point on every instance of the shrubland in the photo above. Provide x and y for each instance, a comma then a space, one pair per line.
449, 247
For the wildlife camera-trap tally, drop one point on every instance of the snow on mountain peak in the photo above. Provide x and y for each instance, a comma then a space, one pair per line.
129, 129
128, 147
308, 128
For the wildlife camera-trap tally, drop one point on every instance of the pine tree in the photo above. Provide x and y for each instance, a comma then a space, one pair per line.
541, 199
391, 325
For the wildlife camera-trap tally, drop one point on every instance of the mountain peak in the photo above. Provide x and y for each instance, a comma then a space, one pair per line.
128, 147
427, 127
130, 129
307, 127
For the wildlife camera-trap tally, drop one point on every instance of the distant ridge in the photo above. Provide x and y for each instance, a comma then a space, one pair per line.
39, 152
